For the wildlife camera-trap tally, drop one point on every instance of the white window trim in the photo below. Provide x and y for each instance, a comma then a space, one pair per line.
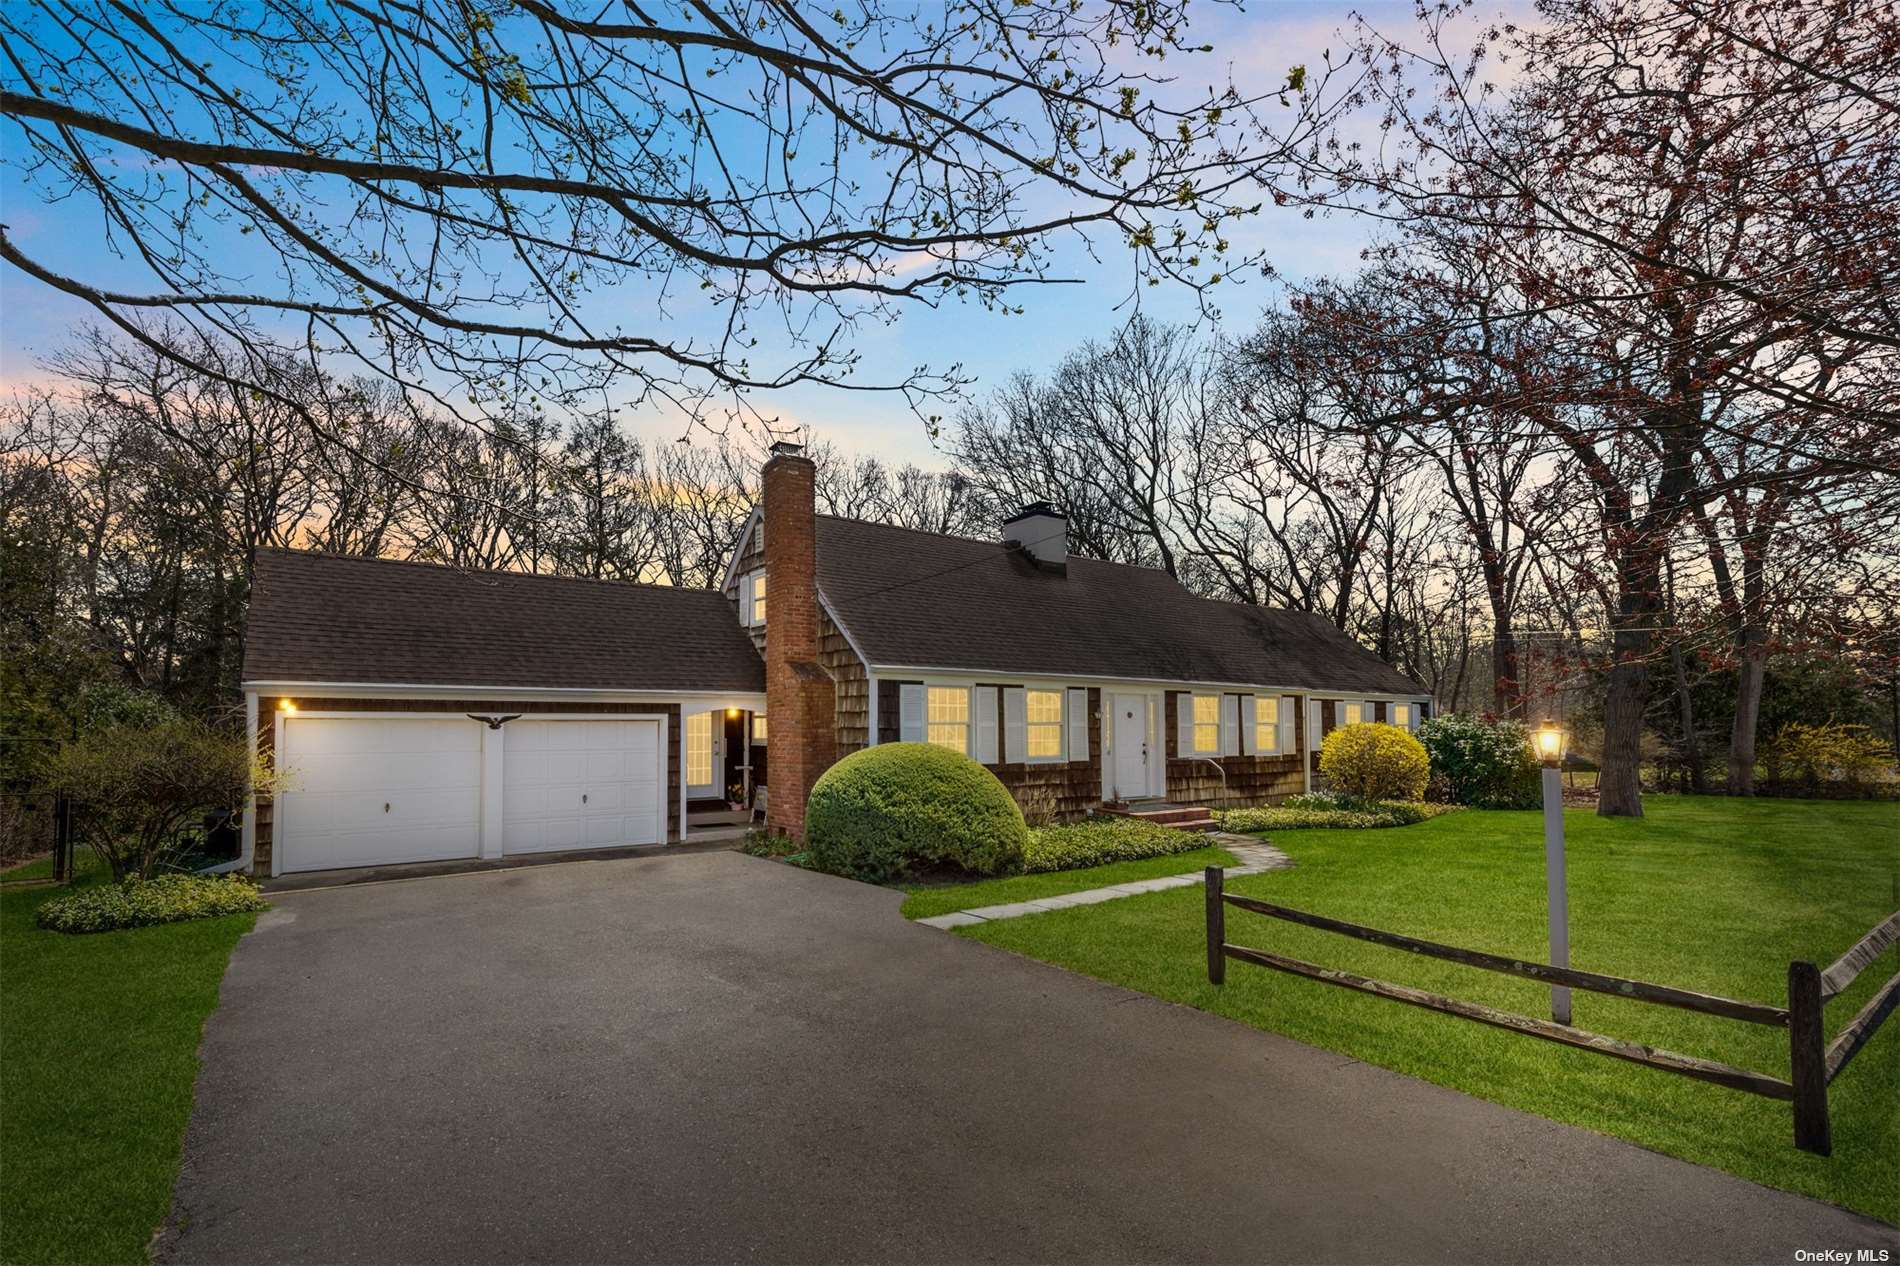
968, 723
751, 601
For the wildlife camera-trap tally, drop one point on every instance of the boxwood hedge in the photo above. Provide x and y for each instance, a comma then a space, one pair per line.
888, 810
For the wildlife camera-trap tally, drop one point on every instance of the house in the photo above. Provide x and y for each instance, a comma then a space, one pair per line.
425, 713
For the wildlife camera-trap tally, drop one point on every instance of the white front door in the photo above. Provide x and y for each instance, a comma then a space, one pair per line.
1131, 746
581, 784
370, 791
705, 732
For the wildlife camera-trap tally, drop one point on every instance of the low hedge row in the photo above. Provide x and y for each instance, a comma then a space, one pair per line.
1099, 841
1294, 818
138, 903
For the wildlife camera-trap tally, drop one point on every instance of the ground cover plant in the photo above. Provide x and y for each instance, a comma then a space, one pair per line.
1706, 893
1319, 812
138, 903
926, 900
98, 1056
1099, 840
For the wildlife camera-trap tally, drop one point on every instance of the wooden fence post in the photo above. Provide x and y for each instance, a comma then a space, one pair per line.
1807, 1059
1216, 926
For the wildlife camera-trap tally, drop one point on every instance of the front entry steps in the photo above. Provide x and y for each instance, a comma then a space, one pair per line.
1182, 817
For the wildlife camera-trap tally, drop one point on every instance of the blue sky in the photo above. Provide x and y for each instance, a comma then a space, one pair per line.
1260, 42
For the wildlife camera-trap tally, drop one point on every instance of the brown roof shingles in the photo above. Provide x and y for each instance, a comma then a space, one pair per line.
916, 599
344, 620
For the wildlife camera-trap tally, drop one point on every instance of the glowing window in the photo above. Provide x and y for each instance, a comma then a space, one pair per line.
1042, 734
947, 718
1206, 725
758, 597
1266, 728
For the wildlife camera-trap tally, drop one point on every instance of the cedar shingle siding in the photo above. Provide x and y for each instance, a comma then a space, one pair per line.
852, 684
1239, 781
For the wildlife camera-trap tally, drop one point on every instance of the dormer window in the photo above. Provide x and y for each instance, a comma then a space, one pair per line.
752, 599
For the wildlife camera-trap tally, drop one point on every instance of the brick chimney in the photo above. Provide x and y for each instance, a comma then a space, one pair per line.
799, 695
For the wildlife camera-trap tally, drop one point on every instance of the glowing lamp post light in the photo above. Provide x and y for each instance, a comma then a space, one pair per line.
1551, 741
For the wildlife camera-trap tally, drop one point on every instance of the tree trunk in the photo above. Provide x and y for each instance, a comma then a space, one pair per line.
1691, 745
1638, 605
1507, 692
1741, 743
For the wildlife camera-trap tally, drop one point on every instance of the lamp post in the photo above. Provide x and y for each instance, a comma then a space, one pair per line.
1551, 741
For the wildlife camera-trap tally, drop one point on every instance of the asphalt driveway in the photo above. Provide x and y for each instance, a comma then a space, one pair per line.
716, 1058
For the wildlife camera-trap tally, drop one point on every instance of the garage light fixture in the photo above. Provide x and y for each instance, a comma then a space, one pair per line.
285, 705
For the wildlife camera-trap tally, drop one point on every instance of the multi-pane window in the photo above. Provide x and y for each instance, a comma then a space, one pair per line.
947, 717
1401, 714
1206, 724
757, 582
1354, 713
758, 727
1266, 726
1042, 733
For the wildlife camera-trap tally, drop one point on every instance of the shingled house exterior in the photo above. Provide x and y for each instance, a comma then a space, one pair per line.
426, 713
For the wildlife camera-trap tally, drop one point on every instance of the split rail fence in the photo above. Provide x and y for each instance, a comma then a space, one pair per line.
1814, 1062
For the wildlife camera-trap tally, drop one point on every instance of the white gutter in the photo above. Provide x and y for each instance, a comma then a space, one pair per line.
399, 690
1151, 683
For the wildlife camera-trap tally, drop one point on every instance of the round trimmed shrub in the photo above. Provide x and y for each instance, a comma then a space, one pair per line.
887, 810
1374, 761
1480, 763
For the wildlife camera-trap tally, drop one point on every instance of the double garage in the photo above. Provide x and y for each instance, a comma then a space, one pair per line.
420, 713
373, 789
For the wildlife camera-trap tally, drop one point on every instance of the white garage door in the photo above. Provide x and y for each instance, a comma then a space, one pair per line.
371, 791
581, 784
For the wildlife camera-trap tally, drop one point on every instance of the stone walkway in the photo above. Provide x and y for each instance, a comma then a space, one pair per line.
1255, 855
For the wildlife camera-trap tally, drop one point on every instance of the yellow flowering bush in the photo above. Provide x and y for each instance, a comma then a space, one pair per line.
1372, 761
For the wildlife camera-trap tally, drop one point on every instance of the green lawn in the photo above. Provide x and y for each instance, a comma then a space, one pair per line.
928, 900
1709, 894
98, 1053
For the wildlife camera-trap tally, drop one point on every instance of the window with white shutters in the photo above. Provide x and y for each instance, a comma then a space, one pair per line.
948, 718
1266, 725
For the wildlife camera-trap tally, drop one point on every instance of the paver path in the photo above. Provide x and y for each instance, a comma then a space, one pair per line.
715, 1058
1254, 853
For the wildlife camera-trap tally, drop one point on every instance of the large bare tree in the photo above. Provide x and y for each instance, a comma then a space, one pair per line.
492, 201
1683, 219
